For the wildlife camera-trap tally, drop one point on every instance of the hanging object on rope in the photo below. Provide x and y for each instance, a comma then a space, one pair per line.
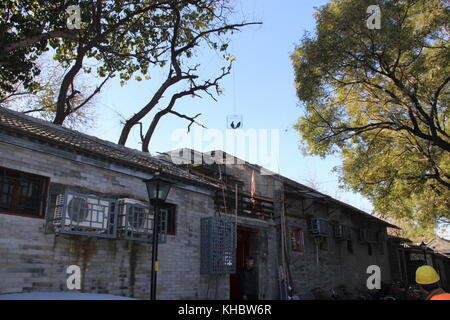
234, 121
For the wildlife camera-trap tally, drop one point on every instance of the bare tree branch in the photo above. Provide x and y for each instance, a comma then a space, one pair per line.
176, 74
192, 119
192, 91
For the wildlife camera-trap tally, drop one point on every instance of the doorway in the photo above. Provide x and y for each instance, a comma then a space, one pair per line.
243, 249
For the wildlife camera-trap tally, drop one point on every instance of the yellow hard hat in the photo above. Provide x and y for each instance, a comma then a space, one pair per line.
426, 275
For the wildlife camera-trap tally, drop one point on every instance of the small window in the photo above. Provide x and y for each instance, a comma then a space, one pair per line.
22, 193
369, 249
350, 246
169, 210
297, 241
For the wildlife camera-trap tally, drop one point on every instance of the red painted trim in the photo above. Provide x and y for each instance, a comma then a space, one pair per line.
21, 215
247, 229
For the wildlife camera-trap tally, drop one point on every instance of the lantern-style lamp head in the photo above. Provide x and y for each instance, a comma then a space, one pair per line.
158, 188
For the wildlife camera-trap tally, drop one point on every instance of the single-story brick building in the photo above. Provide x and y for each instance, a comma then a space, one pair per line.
67, 198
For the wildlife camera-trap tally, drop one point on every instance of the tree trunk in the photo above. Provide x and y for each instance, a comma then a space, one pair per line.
130, 123
61, 113
151, 130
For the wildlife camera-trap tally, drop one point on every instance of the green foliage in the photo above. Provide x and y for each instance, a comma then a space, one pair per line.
414, 231
380, 99
41, 102
18, 25
121, 38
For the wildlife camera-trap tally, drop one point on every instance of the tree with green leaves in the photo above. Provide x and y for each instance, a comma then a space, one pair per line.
25, 28
414, 231
121, 36
117, 34
124, 39
380, 99
41, 102
191, 26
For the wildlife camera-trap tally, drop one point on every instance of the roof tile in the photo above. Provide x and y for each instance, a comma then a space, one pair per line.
75, 140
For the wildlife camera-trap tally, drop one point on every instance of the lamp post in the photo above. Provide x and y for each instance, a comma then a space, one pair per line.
424, 247
157, 188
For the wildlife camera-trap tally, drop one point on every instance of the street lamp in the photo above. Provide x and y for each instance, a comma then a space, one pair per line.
157, 188
424, 247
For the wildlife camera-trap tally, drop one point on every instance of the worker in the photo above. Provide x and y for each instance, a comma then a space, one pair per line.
248, 279
428, 279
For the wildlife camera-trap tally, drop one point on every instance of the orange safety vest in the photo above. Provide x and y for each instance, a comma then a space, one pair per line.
442, 296
438, 294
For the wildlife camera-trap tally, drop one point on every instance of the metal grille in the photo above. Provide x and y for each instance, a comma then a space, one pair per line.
218, 246
137, 222
319, 227
89, 215
82, 214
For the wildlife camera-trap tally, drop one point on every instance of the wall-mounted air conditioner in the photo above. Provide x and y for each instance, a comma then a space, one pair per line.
318, 227
81, 211
341, 232
58, 209
135, 216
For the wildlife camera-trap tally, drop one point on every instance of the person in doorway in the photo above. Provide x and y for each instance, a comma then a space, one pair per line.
428, 279
248, 280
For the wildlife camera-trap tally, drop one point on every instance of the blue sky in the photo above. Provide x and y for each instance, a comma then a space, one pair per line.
260, 88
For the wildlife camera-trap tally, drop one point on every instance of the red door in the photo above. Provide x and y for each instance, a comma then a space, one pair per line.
242, 250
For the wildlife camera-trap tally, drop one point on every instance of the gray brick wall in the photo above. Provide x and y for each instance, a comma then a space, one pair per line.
31, 260
34, 261
336, 265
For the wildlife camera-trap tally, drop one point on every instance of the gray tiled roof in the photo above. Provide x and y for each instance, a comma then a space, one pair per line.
77, 141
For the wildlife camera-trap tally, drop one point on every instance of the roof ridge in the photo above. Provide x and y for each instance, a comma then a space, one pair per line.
73, 131
91, 143
298, 185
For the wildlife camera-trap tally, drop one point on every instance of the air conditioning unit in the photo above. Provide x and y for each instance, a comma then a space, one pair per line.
318, 227
341, 232
135, 216
59, 207
85, 211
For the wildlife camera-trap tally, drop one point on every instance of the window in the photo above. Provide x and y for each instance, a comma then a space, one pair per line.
369, 249
169, 210
297, 241
349, 246
22, 193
